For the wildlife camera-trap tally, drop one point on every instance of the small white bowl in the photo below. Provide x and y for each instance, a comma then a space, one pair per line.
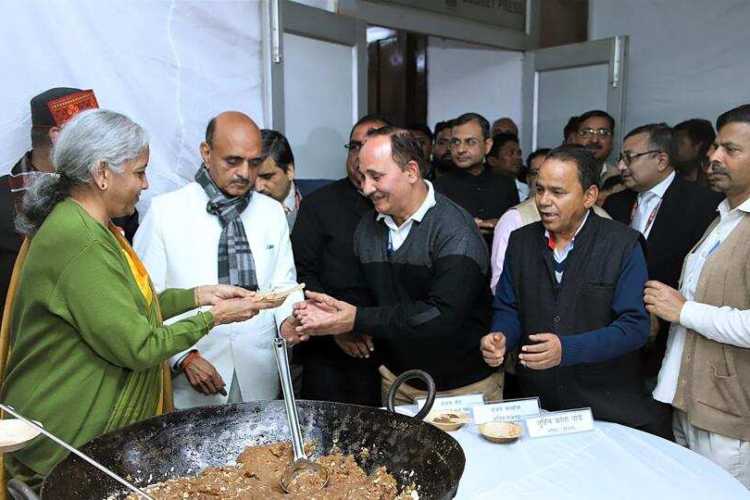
447, 421
501, 432
15, 434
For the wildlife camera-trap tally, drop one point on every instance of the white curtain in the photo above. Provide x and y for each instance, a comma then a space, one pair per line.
170, 66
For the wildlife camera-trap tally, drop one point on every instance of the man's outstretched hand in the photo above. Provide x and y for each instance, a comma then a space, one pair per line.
321, 314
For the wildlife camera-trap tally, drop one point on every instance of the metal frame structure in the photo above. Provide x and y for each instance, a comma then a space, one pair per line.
611, 51
284, 16
349, 27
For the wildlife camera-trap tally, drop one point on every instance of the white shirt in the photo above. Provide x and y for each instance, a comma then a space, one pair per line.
648, 205
397, 234
523, 190
722, 324
290, 202
509, 222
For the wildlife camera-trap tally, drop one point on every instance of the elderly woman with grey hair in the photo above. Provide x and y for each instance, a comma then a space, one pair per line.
87, 338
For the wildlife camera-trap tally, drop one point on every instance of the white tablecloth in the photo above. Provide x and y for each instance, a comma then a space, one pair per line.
611, 462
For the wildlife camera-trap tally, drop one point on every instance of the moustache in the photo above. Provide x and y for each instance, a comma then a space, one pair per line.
594, 146
241, 181
718, 169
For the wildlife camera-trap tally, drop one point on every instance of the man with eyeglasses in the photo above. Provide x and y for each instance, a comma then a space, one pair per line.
341, 368
670, 212
472, 185
594, 131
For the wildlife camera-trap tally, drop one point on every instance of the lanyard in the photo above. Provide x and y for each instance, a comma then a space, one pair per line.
651, 216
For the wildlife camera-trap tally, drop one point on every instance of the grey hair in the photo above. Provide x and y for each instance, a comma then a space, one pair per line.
91, 139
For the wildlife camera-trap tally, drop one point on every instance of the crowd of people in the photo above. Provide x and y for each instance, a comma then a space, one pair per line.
620, 286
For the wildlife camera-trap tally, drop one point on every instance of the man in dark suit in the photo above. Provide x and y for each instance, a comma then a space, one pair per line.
670, 212
341, 368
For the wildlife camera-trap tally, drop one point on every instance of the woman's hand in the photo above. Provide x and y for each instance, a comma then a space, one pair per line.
210, 295
234, 310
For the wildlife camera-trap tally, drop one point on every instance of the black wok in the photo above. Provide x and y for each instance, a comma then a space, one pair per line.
185, 442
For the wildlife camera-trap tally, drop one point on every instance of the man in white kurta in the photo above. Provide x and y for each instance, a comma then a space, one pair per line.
178, 242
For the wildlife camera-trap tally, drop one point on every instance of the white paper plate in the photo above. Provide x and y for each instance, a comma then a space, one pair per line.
15, 434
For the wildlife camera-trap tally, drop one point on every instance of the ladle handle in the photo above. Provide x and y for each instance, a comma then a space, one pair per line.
60, 442
425, 377
282, 361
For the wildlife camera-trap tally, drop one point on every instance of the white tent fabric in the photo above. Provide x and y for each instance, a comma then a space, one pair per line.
170, 66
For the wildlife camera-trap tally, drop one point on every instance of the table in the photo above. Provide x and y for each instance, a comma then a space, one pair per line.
612, 461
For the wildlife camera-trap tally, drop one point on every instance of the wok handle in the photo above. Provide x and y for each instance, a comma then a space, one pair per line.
20, 491
425, 377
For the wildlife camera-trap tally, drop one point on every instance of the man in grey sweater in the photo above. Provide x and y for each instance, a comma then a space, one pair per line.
426, 266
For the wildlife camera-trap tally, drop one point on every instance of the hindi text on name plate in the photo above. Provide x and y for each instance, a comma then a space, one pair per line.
560, 422
457, 403
512, 409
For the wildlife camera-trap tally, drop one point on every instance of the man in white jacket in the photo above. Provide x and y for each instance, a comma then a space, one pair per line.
218, 230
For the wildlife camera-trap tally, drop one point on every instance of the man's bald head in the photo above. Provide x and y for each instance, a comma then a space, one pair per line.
230, 119
504, 125
232, 152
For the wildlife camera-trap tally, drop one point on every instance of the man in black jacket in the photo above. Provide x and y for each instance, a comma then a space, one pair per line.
570, 295
670, 212
472, 184
426, 269
344, 368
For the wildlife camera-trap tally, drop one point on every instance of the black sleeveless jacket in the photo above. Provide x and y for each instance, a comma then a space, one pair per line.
582, 302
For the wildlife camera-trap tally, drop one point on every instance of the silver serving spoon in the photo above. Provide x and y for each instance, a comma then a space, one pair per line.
301, 464
131, 487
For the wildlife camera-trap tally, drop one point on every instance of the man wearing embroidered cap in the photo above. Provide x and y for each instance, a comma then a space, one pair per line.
50, 110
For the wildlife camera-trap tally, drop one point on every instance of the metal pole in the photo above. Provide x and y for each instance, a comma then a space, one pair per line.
68, 447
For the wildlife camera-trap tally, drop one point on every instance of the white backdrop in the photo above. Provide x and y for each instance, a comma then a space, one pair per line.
463, 78
688, 58
170, 66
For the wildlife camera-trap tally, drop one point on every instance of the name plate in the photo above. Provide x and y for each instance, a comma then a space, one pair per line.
456, 403
560, 422
513, 409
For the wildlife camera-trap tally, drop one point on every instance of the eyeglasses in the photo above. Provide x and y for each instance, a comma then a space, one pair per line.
471, 142
591, 132
628, 158
353, 147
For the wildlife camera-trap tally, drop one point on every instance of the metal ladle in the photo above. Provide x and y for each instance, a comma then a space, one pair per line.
131, 487
301, 465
